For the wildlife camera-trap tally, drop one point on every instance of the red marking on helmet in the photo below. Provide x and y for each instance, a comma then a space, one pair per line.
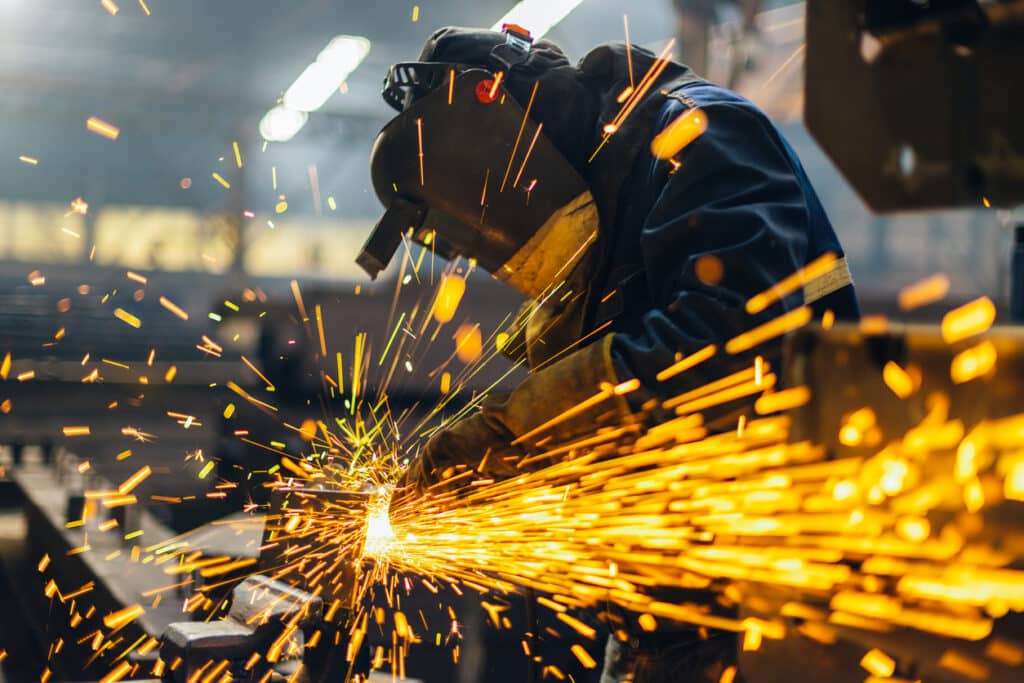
516, 28
484, 91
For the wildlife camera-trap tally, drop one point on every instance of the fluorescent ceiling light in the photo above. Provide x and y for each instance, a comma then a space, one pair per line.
322, 78
537, 16
280, 124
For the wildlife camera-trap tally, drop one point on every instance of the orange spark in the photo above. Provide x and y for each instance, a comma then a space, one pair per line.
101, 127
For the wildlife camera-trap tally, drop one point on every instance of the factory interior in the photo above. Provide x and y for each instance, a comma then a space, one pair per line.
607, 341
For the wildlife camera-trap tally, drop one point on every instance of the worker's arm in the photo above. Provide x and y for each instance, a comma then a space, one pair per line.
565, 400
734, 206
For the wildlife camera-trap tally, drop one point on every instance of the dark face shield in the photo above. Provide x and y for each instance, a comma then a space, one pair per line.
407, 82
465, 165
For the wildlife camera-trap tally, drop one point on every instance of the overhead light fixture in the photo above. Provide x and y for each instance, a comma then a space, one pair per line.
322, 78
280, 124
537, 16
314, 87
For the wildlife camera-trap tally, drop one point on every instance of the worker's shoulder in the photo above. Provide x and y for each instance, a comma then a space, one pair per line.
707, 95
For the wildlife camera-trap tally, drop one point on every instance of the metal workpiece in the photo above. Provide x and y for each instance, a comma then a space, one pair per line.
293, 619
265, 629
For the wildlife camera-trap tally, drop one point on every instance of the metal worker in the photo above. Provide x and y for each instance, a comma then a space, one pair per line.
639, 208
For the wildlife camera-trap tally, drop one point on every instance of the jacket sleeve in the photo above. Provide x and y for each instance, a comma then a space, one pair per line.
734, 201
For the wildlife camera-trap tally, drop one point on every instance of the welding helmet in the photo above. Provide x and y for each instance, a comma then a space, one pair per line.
466, 170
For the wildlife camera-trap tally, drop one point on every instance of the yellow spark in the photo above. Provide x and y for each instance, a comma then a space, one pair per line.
769, 330
961, 663
687, 363
101, 127
780, 401
645, 84
131, 482
119, 672
1013, 486
207, 468
298, 299
686, 128
220, 179
238, 153
878, 663
110, 6
752, 638
914, 529
415, 13
127, 318
446, 382
844, 490
897, 379
227, 567
320, 331
145, 8
419, 137
583, 656
44, 562
809, 273
974, 362
391, 339
974, 495
577, 625
76, 431
648, 622
1004, 651
5, 366
256, 371
171, 373
526, 157
119, 501
123, 617
173, 308
449, 295
926, 291
27, 375
968, 320
31, 161
468, 342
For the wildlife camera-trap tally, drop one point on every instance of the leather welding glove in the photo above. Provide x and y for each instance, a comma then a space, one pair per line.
553, 405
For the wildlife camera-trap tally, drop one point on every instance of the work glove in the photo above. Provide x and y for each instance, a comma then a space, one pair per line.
564, 401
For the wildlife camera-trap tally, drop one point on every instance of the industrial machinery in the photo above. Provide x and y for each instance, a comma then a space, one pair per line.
918, 102
845, 369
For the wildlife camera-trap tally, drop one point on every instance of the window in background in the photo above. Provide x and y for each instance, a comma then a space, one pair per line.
306, 247
146, 238
41, 233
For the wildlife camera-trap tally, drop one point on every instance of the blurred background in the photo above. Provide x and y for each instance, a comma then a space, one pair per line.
148, 153
187, 83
